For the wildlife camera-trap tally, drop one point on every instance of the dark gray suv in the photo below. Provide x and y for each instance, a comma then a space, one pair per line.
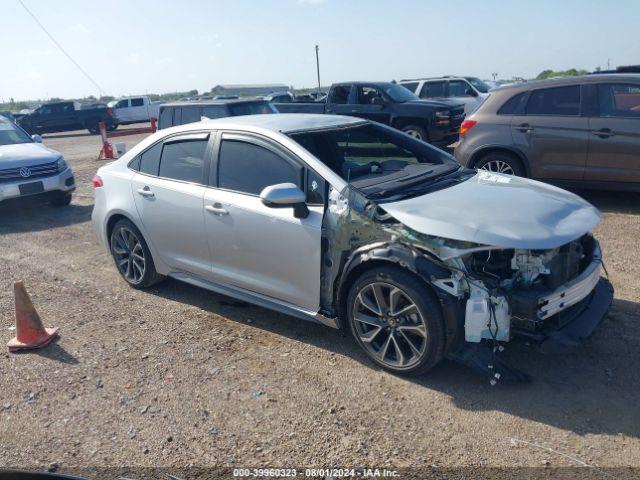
578, 131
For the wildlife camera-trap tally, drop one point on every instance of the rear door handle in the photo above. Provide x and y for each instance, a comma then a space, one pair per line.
216, 209
524, 128
603, 133
146, 192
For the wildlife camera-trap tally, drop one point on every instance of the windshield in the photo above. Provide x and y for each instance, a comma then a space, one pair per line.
376, 159
11, 135
400, 94
478, 84
254, 108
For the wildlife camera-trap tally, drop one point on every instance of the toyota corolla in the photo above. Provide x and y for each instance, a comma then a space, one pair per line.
357, 226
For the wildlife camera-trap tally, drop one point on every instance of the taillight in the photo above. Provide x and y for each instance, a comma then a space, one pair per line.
97, 182
110, 112
466, 126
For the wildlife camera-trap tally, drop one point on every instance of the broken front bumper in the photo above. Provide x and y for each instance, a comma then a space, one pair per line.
577, 322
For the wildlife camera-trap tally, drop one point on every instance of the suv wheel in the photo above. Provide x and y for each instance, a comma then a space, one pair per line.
94, 129
416, 132
396, 320
499, 162
132, 256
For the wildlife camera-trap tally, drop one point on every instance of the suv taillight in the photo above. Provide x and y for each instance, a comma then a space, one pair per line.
97, 182
466, 126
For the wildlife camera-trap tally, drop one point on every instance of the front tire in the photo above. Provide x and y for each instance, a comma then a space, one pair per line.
416, 131
500, 162
132, 256
396, 320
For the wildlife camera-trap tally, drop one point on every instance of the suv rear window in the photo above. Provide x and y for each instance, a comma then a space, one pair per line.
619, 100
555, 101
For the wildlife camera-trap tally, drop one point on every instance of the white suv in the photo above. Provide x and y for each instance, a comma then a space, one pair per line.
470, 91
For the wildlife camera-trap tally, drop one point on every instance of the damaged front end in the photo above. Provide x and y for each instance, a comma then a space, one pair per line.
551, 297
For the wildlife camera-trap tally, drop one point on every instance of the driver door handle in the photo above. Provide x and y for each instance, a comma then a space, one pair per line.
603, 133
146, 192
216, 209
524, 128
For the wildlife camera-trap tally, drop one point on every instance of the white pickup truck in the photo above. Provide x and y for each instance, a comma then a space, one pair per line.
135, 109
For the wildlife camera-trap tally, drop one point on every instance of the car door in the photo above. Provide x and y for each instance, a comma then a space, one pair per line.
341, 101
168, 188
256, 248
373, 104
614, 141
552, 133
139, 111
123, 112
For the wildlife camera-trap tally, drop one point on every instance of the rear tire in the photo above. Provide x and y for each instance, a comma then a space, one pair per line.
112, 128
94, 129
397, 320
416, 132
501, 162
132, 255
61, 200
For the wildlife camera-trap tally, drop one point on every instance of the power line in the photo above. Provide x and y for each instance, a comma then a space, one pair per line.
60, 47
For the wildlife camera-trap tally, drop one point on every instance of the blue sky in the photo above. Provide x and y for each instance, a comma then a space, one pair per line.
137, 46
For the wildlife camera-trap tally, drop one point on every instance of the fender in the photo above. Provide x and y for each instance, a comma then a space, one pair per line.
416, 262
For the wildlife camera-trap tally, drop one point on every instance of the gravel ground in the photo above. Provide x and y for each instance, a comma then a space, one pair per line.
177, 376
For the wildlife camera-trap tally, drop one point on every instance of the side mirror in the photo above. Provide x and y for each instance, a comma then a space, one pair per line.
36, 138
285, 195
471, 92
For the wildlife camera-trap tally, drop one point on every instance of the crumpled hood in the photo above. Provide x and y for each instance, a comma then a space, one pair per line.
26, 154
499, 210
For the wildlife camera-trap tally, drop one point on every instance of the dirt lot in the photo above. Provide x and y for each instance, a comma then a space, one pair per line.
177, 376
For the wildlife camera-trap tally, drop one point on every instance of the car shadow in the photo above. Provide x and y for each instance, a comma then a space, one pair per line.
612, 202
594, 389
20, 216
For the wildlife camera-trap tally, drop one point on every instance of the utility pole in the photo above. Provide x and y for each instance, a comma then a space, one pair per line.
494, 75
318, 68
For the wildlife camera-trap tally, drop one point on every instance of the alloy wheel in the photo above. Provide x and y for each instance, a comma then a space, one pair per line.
129, 254
390, 325
498, 166
414, 134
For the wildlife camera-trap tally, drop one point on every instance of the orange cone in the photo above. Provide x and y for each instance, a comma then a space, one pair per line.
30, 333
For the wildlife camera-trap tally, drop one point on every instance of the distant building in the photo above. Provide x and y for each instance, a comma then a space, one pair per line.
250, 89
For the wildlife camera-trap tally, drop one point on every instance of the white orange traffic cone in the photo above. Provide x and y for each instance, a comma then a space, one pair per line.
30, 333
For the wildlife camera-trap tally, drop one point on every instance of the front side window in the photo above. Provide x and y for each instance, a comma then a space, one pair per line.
183, 160
433, 90
316, 188
458, 88
481, 86
150, 160
367, 95
248, 168
122, 104
619, 100
554, 101
137, 102
340, 94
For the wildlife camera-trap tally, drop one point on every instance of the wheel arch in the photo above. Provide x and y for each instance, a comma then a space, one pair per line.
401, 122
412, 262
514, 152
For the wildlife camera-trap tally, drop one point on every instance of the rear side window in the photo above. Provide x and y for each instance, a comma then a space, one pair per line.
214, 111
166, 118
619, 100
248, 168
137, 102
191, 114
150, 160
183, 160
433, 89
554, 101
512, 106
340, 94
410, 86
